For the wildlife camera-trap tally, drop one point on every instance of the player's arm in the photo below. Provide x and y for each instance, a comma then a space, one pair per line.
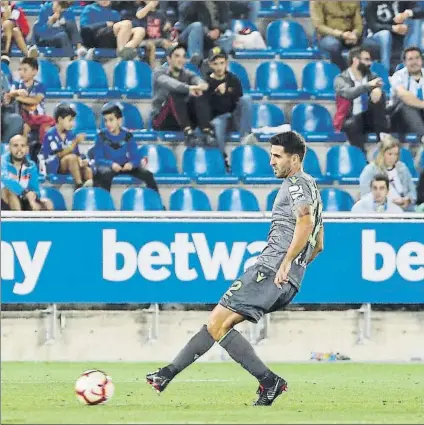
319, 247
31, 100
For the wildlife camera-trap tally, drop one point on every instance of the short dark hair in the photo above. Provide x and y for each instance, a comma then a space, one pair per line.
292, 142
112, 108
355, 52
411, 49
64, 110
172, 49
32, 62
381, 178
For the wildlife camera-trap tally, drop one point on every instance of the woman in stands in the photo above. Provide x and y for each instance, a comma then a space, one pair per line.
402, 189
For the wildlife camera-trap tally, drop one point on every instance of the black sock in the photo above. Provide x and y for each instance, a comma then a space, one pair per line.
198, 345
240, 350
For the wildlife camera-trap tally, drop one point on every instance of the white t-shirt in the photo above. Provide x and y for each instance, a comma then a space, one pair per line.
396, 187
358, 106
402, 78
367, 205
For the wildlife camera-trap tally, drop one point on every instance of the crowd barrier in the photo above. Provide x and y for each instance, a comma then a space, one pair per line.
119, 257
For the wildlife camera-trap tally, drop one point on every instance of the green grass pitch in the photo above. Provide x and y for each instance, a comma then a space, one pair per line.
42, 393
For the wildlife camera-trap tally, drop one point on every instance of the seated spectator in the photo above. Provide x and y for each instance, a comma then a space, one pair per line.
205, 25
230, 109
420, 193
56, 27
149, 24
376, 201
360, 101
407, 94
338, 26
402, 190
60, 148
388, 24
115, 152
101, 27
30, 94
14, 27
11, 121
179, 99
19, 177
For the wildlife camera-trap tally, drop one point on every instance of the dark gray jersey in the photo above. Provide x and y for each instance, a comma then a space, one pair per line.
298, 189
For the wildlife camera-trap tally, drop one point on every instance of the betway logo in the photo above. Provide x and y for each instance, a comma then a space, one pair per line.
31, 265
155, 260
408, 261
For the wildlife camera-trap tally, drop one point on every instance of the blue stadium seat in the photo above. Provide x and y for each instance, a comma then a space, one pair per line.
312, 167
239, 24
318, 80
289, 40
334, 200
55, 196
379, 69
277, 80
239, 70
88, 79
162, 163
251, 164
48, 74
31, 8
85, 121
193, 68
270, 199
266, 115
408, 160
206, 166
314, 122
237, 199
141, 199
189, 199
299, 9
133, 120
6, 71
345, 164
92, 199
271, 9
133, 79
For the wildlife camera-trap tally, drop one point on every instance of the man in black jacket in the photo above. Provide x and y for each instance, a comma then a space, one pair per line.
231, 110
389, 24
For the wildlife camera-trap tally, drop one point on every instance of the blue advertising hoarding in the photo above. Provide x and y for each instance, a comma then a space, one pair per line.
142, 260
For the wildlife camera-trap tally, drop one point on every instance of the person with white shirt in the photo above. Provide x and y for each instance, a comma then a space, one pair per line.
377, 201
402, 190
408, 94
360, 100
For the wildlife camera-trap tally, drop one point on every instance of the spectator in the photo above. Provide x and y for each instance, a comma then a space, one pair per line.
387, 23
420, 193
11, 122
101, 27
205, 25
60, 148
149, 24
338, 26
402, 190
360, 101
19, 177
231, 110
407, 94
376, 201
179, 100
56, 27
30, 94
115, 152
14, 26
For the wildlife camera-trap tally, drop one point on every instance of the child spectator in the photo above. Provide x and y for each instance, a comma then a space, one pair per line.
101, 27
19, 177
14, 26
56, 27
30, 94
116, 152
60, 148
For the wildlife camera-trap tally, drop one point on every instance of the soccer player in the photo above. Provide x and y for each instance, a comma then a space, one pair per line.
295, 239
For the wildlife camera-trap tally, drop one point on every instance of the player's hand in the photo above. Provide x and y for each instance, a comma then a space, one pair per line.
127, 167
376, 82
214, 34
195, 91
116, 167
282, 275
221, 88
376, 95
21, 93
400, 18
80, 138
400, 29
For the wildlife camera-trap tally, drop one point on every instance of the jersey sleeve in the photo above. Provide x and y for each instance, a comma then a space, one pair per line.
39, 89
299, 192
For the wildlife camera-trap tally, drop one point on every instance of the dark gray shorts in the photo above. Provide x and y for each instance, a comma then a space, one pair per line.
255, 294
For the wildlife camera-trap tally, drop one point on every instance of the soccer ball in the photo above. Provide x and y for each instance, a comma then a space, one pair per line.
94, 387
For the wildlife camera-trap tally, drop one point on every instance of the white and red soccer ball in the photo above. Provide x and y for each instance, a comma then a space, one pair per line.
94, 387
